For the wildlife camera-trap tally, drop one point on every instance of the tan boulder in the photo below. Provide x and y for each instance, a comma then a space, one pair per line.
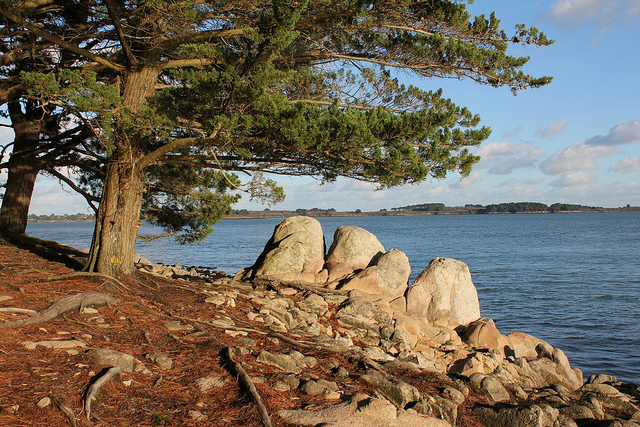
295, 252
483, 333
444, 294
389, 275
353, 248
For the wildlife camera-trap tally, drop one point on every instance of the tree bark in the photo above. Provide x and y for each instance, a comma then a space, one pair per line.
23, 168
118, 217
116, 228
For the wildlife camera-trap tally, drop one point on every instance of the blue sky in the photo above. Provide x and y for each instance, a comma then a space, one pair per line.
574, 141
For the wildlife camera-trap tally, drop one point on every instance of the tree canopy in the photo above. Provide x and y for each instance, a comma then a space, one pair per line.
182, 98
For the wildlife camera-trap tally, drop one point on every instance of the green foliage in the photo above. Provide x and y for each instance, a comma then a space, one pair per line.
288, 87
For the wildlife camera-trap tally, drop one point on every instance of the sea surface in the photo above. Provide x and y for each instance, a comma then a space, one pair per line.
572, 279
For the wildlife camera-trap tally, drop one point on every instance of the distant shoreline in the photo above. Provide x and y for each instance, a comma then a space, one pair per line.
319, 213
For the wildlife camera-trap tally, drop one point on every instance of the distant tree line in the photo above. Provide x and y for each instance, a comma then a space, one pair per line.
431, 207
511, 207
61, 218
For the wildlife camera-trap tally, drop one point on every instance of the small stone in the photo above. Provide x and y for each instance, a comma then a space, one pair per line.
162, 360
246, 341
127, 383
44, 402
177, 326
89, 310
112, 358
216, 299
281, 386
312, 388
207, 383
5, 297
197, 415
453, 395
288, 291
140, 367
29, 345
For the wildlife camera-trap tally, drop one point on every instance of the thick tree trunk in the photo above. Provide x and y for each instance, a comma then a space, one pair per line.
22, 172
116, 228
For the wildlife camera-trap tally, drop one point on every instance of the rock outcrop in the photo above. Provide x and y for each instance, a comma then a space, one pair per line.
295, 252
353, 249
444, 294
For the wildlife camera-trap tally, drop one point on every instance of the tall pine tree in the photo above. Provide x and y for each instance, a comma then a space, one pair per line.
208, 91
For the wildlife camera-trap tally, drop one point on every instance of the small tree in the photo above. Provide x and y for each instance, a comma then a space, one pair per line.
283, 87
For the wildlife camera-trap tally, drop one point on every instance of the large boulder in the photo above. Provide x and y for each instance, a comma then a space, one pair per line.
444, 294
353, 248
389, 276
295, 252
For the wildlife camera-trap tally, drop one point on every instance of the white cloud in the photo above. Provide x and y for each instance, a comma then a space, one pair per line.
513, 133
552, 130
501, 158
509, 182
574, 179
630, 164
466, 182
533, 181
622, 134
599, 13
576, 157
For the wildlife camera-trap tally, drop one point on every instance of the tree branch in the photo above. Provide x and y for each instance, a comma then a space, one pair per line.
56, 40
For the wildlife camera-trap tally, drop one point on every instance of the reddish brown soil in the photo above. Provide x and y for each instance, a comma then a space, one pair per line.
159, 398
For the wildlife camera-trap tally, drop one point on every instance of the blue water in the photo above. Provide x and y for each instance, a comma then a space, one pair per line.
570, 279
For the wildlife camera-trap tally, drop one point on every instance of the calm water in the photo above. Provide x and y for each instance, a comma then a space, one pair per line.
570, 279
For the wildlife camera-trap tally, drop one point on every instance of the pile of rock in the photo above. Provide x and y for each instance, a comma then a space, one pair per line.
434, 324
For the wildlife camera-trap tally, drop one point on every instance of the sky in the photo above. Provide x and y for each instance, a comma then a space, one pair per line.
576, 140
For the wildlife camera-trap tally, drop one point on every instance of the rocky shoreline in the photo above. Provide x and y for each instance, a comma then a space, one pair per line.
355, 300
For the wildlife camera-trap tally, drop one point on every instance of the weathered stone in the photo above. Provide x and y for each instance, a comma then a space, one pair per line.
601, 378
438, 407
197, 415
398, 392
281, 386
284, 362
600, 388
353, 248
112, 358
483, 333
312, 388
162, 360
314, 303
522, 345
577, 412
207, 383
453, 395
525, 416
389, 276
362, 314
177, 326
444, 294
494, 390
360, 411
44, 402
295, 252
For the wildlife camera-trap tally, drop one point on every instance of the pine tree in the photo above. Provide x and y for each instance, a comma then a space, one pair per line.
209, 92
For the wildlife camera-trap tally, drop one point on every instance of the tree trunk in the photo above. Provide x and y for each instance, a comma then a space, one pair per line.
23, 170
116, 228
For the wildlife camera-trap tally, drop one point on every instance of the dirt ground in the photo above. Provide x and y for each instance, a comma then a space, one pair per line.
135, 325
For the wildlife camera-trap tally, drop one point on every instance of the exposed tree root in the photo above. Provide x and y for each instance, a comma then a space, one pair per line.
68, 412
93, 389
17, 310
62, 305
85, 274
246, 380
